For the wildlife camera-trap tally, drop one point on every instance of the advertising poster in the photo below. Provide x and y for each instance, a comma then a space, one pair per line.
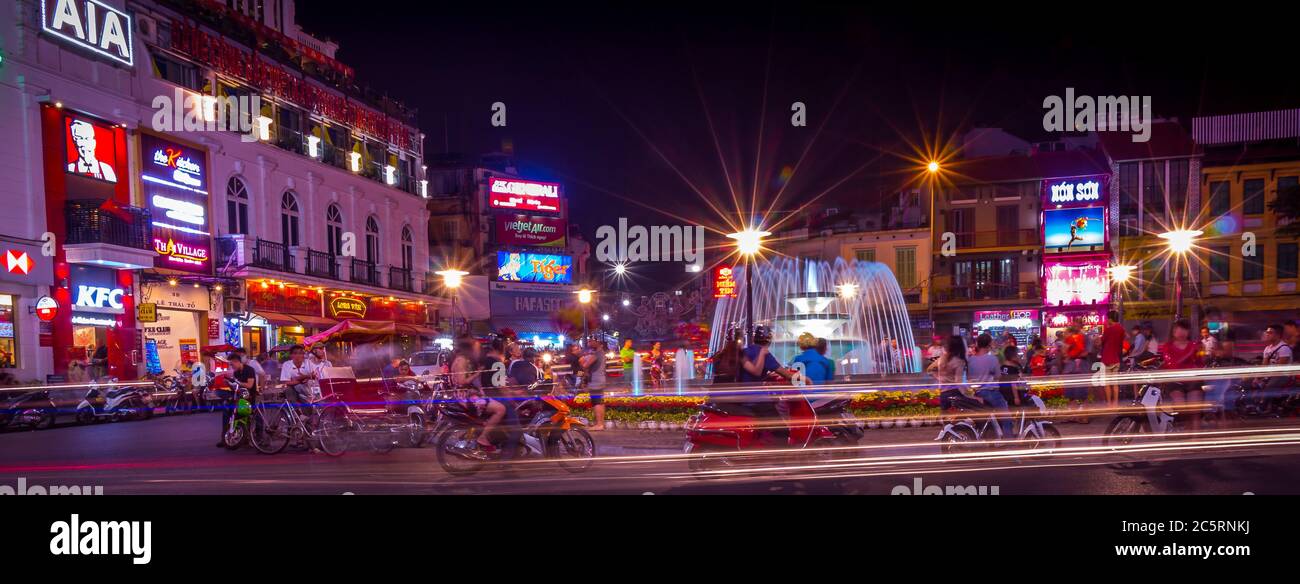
534, 267
527, 230
175, 187
92, 150
1072, 230
1083, 282
524, 195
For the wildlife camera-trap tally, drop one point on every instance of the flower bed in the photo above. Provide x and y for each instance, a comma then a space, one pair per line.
923, 404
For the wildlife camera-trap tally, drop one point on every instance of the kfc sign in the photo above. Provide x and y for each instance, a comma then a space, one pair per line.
91, 25
724, 283
99, 299
523, 195
91, 148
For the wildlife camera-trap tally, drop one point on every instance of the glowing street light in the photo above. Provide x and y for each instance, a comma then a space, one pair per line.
932, 167
748, 243
451, 278
1180, 241
584, 297
1121, 274
620, 269
848, 290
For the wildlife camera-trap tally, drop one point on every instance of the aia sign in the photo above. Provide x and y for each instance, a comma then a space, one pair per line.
91, 25
724, 282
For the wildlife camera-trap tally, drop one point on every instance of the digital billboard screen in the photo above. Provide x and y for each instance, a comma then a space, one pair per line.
1074, 230
175, 183
534, 267
523, 195
1083, 282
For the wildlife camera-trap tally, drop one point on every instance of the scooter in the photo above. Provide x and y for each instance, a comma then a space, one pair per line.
114, 403
964, 433
549, 432
35, 410
1152, 419
724, 430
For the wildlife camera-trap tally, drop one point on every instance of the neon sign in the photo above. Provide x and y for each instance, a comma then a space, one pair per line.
91, 25
524, 195
99, 299
724, 283
1088, 191
180, 253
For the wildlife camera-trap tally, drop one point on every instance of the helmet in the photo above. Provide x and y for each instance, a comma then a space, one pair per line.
807, 341
762, 335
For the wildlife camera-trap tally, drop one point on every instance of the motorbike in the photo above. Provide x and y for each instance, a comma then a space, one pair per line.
1255, 399
964, 433
35, 410
1151, 419
724, 429
237, 431
114, 403
183, 398
410, 408
549, 432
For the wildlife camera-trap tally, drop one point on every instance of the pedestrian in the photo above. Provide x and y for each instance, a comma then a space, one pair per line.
593, 363
726, 362
271, 366
1058, 354
1112, 350
1037, 358
1209, 344
982, 368
1182, 353
1010, 374
1075, 351
950, 370
626, 355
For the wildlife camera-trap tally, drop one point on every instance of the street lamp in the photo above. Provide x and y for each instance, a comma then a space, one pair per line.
748, 243
451, 279
1180, 241
584, 298
848, 290
1120, 275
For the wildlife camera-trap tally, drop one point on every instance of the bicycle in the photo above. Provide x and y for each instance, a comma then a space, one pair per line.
324, 428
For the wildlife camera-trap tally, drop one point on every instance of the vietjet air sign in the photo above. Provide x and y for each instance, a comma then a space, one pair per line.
91, 25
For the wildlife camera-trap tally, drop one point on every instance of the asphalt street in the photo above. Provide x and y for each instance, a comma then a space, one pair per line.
176, 455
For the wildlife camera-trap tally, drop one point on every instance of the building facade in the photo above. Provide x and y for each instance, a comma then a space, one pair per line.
194, 192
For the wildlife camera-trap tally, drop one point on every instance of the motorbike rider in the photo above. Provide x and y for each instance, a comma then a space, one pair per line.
240, 376
757, 364
499, 410
816, 368
297, 375
1276, 352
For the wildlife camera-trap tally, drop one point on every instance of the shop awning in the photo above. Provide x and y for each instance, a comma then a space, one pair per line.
285, 319
353, 328
414, 329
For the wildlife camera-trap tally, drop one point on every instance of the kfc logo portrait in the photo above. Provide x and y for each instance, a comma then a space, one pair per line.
91, 150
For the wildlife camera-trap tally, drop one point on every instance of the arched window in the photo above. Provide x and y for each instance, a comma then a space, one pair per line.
289, 219
334, 230
236, 206
408, 248
372, 240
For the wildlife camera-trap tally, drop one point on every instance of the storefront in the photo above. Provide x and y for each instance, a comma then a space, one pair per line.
281, 313
20, 329
1022, 324
182, 324
99, 311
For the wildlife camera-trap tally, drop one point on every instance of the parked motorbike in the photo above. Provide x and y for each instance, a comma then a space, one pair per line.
34, 409
114, 403
966, 433
549, 432
724, 430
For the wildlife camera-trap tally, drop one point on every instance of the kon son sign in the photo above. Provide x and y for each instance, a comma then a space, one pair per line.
91, 25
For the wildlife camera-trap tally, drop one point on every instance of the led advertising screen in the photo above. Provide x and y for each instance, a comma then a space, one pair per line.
523, 195
1074, 230
1083, 282
534, 267
175, 183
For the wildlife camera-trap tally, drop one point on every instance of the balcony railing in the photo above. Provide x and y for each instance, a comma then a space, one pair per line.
272, 255
364, 272
322, 265
987, 291
90, 222
400, 279
969, 240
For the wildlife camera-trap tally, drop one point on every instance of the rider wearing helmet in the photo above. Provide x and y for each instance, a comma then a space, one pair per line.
757, 362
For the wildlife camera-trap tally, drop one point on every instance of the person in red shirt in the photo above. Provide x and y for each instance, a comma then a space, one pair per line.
1182, 353
1112, 350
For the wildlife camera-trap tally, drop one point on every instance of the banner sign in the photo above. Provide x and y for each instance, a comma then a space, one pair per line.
531, 231
534, 267
523, 195
724, 283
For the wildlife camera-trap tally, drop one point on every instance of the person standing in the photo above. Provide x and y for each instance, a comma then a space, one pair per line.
1183, 353
1010, 374
594, 365
1112, 351
950, 370
626, 355
822, 348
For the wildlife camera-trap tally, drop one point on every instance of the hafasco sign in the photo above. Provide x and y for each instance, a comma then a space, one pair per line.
724, 282
534, 231
523, 195
46, 308
99, 299
91, 25
347, 307
1074, 191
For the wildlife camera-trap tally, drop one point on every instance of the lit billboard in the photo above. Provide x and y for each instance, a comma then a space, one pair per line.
534, 267
1074, 230
510, 194
1078, 282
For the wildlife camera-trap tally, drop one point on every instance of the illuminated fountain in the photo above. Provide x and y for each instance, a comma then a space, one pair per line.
853, 305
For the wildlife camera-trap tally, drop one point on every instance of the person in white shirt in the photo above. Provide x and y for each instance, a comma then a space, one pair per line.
1277, 352
1208, 343
298, 375
319, 357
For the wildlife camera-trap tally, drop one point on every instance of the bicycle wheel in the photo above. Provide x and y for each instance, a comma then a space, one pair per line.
1050, 440
1123, 430
270, 434
331, 431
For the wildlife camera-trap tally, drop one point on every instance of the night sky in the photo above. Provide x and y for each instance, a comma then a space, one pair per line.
598, 96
